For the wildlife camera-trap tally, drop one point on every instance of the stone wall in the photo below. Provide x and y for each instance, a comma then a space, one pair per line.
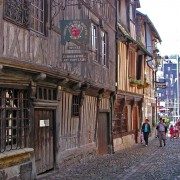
18, 165
124, 142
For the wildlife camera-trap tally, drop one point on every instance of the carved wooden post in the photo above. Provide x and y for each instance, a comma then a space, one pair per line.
2, 27
99, 98
58, 122
112, 101
32, 98
82, 96
84, 87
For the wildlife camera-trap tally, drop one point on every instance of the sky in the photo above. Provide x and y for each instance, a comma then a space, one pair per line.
165, 14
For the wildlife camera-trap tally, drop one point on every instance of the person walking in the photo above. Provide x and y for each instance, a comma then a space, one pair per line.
146, 129
161, 130
171, 132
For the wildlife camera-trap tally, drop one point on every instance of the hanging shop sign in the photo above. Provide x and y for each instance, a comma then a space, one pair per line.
75, 38
160, 84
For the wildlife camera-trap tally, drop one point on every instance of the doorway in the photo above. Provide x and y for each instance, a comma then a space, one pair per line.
103, 132
44, 139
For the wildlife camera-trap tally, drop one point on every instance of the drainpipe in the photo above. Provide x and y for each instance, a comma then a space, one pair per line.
113, 94
112, 100
116, 49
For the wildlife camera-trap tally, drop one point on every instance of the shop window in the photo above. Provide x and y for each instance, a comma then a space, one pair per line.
14, 119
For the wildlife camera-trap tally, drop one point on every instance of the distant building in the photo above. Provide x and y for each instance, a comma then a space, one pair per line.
168, 98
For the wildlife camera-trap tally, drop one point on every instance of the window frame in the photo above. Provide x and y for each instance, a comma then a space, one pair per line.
132, 11
39, 20
14, 119
132, 64
94, 37
27, 12
7, 6
46, 93
104, 48
75, 105
139, 64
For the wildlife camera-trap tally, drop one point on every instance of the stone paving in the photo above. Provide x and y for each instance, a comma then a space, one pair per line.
136, 163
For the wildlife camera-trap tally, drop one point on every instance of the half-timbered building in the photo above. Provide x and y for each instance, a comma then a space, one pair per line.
149, 36
57, 83
131, 75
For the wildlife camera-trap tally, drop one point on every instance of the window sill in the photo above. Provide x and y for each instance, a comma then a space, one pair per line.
14, 157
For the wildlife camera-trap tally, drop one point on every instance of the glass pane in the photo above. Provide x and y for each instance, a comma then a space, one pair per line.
41, 27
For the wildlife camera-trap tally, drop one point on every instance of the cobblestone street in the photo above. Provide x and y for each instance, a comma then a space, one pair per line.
136, 163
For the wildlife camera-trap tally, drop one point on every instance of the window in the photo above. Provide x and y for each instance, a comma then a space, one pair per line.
132, 11
16, 11
94, 37
120, 123
139, 67
14, 119
132, 64
104, 48
29, 14
44, 93
37, 15
172, 92
75, 105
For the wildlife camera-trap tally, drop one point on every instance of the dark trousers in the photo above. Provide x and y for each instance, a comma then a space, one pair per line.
146, 136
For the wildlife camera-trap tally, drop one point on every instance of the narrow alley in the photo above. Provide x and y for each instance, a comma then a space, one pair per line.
136, 163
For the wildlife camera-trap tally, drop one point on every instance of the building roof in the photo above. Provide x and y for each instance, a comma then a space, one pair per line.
151, 25
138, 5
128, 36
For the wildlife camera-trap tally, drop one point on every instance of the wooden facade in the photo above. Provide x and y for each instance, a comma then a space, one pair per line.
72, 83
69, 102
149, 37
134, 88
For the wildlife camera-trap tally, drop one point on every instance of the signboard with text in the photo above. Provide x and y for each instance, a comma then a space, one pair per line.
76, 57
160, 84
75, 36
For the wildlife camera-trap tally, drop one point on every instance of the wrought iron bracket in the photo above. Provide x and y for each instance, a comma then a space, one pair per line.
58, 6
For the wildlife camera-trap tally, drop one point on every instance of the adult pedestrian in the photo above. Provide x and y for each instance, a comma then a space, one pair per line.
146, 129
161, 131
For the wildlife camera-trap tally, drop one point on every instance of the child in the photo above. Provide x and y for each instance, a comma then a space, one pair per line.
171, 131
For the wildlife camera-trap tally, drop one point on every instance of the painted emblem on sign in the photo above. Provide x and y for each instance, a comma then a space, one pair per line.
75, 30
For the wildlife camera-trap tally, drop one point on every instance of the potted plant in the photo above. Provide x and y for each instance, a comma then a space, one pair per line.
140, 84
132, 82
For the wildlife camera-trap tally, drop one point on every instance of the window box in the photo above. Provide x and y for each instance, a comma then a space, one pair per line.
134, 82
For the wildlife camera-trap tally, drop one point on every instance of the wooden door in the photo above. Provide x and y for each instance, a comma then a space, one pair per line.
44, 149
103, 133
